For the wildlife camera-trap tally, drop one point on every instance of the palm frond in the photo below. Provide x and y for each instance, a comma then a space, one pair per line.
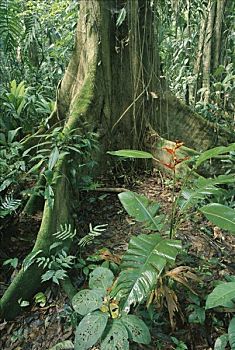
10, 25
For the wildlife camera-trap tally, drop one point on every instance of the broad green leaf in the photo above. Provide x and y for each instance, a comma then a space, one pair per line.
36, 146
197, 315
64, 345
142, 209
221, 342
101, 277
131, 153
137, 329
221, 179
11, 134
89, 330
142, 264
222, 295
191, 197
220, 215
231, 333
53, 158
36, 167
116, 338
87, 300
214, 152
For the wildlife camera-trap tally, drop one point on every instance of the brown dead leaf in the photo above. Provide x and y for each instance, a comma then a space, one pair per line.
108, 256
172, 304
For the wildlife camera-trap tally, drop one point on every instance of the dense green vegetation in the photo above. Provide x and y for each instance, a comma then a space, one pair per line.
48, 157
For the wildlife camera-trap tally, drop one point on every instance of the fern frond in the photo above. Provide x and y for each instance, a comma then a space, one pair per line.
9, 205
94, 232
65, 232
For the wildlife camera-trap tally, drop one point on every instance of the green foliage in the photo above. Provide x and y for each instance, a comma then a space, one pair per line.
214, 152
131, 154
222, 295
64, 345
220, 215
101, 277
87, 301
137, 329
142, 209
90, 330
40, 299
108, 325
56, 145
221, 342
10, 26
93, 233
12, 262
65, 232
231, 333
8, 206
12, 166
146, 258
116, 338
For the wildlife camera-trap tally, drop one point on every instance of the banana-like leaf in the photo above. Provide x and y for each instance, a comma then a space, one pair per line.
221, 179
131, 153
222, 295
213, 153
231, 333
220, 215
89, 330
142, 209
142, 264
117, 337
191, 197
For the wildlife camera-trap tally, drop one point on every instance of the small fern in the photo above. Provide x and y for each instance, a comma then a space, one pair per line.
94, 232
65, 232
9, 205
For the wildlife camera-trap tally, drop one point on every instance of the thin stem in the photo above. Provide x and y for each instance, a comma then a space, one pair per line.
173, 205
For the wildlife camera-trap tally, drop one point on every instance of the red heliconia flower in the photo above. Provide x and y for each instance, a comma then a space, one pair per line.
178, 144
169, 150
169, 165
180, 160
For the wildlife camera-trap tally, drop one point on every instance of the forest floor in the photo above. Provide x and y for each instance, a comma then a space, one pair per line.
207, 250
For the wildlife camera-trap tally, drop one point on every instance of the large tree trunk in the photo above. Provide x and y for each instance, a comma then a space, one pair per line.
112, 86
